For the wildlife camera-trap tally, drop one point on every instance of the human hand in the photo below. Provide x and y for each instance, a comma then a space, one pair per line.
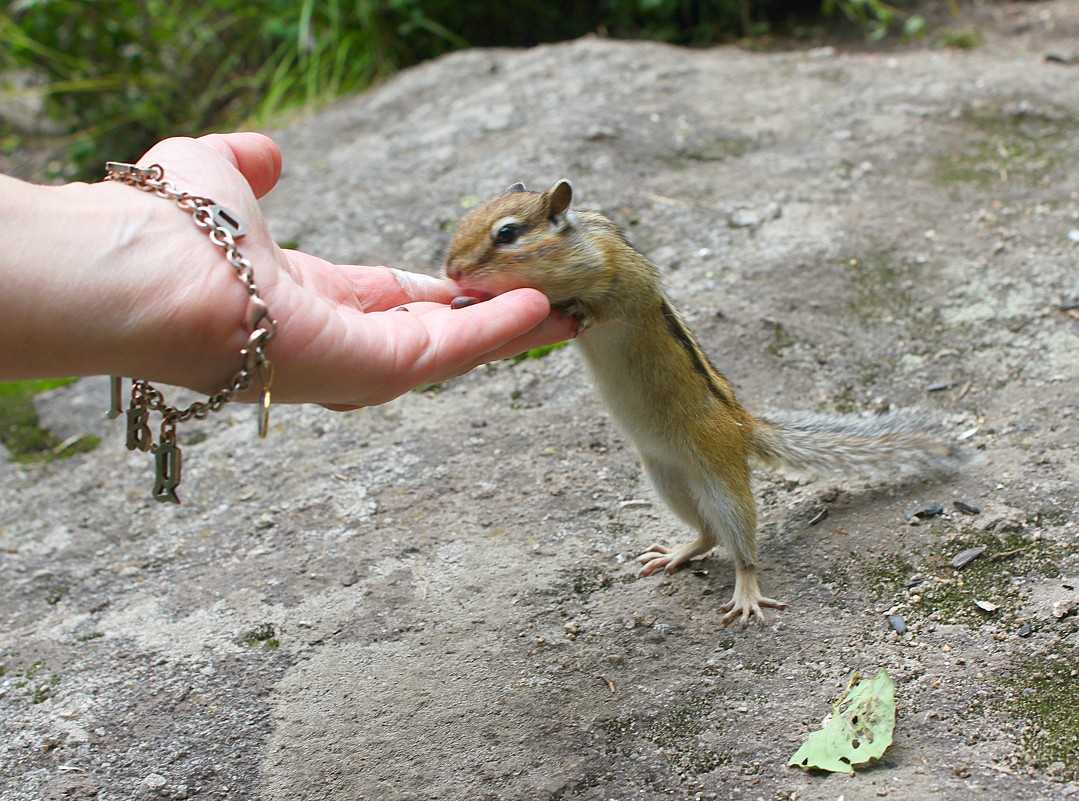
342, 340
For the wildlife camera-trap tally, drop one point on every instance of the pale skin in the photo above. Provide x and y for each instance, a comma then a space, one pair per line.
102, 278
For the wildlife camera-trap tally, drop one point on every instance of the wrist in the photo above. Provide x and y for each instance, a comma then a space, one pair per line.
105, 278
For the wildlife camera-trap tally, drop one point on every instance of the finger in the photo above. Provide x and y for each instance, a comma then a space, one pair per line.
381, 288
255, 155
556, 328
341, 407
549, 332
212, 164
423, 287
502, 326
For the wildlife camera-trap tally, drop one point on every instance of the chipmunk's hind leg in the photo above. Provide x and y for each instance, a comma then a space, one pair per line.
707, 504
737, 525
674, 488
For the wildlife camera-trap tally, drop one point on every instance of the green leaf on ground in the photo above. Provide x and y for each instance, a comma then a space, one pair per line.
860, 728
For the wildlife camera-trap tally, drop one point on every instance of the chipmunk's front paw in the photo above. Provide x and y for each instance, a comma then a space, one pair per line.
748, 609
670, 559
575, 309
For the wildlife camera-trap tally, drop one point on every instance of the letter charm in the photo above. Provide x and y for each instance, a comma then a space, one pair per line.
169, 460
138, 428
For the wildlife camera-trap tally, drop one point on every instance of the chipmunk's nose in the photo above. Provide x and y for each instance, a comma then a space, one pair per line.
451, 272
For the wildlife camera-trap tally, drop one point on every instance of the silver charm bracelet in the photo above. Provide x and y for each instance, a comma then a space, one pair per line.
224, 228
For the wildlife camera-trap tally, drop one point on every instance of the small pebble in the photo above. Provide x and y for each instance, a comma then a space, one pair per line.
154, 782
462, 301
744, 218
1025, 630
1061, 609
897, 623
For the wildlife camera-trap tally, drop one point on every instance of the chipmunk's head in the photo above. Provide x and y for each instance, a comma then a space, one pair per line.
519, 239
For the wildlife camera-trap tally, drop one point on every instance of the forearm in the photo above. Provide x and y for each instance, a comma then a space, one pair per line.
83, 290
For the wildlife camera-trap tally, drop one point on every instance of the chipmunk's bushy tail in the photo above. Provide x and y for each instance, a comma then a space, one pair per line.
896, 443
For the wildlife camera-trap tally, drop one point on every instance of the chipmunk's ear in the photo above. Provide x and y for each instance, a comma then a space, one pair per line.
558, 198
517, 187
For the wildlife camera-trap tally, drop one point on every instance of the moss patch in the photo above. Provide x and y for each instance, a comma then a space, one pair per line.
264, 635
41, 688
677, 733
781, 339
948, 595
720, 149
1045, 691
1017, 143
580, 583
882, 288
21, 430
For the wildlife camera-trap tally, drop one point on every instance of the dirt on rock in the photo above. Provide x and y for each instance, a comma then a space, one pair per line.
437, 598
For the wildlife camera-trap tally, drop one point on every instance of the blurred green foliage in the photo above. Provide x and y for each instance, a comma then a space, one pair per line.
21, 432
122, 74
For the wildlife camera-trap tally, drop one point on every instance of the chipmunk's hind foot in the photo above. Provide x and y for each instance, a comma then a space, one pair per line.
747, 605
748, 610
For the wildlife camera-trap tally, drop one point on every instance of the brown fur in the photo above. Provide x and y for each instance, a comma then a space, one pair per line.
695, 440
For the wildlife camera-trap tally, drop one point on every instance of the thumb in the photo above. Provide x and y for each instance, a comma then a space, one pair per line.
255, 155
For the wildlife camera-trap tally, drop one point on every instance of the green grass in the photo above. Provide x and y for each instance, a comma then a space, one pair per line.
877, 18
537, 353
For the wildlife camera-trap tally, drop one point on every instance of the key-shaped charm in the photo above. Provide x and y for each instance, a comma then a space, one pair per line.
138, 428
169, 460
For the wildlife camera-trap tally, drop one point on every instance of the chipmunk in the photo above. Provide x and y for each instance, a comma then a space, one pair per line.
695, 440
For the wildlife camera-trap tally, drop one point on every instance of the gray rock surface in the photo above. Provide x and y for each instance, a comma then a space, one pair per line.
436, 599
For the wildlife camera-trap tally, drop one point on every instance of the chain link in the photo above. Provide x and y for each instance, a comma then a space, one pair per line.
223, 228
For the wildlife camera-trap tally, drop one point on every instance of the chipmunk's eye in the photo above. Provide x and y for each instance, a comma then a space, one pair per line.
506, 234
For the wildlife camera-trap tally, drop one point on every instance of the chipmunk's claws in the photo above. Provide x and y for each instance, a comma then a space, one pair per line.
748, 610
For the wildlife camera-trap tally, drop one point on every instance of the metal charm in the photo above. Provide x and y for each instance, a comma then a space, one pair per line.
224, 218
138, 428
116, 401
169, 460
124, 171
264, 413
223, 227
